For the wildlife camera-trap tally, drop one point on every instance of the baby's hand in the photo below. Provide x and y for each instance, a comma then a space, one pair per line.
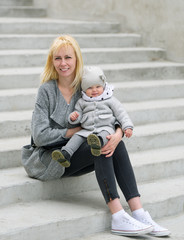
128, 132
74, 116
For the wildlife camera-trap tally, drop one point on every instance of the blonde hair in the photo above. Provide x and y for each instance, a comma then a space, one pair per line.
49, 71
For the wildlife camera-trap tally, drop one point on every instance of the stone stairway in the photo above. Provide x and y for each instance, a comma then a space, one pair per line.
151, 89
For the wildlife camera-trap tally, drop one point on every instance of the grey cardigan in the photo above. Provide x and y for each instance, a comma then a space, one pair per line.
96, 116
49, 125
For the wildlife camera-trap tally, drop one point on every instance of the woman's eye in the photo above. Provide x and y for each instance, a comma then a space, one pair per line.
68, 57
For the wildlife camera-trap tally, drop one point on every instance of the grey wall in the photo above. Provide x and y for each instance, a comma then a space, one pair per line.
159, 21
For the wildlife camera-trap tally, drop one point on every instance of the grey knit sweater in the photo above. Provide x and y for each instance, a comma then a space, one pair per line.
49, 126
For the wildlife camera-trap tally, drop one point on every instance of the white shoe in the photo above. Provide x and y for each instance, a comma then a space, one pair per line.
127, 226
158, 231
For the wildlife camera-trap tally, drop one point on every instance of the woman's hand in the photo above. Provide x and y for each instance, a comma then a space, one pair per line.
114, 140
71, 131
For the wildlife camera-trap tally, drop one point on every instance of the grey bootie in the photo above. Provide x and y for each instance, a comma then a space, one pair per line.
95, 144
63, 157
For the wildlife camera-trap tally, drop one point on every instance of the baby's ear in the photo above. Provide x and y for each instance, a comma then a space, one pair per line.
103, 77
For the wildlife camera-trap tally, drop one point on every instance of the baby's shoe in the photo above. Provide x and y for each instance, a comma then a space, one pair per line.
63, 157
95, 143
123, 224
145, 218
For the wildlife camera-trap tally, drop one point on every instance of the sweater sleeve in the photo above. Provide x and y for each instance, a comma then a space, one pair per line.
42, 132
121, 114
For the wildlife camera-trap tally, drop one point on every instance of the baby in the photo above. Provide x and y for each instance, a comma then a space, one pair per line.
98, 111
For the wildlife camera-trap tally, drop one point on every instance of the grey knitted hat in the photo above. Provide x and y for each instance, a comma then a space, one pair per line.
92, 75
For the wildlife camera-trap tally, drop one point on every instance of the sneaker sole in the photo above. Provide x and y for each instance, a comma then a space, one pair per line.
160, 234
132, 233
95, 144
59, 157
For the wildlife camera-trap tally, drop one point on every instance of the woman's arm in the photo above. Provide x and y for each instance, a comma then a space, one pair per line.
70, 132
114, 140
44, 131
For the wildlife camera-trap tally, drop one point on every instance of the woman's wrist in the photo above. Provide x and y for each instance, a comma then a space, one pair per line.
119, 131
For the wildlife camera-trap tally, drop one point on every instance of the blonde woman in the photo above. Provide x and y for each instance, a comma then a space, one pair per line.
57, 95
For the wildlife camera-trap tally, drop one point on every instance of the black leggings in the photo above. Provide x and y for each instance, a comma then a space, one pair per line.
107, 170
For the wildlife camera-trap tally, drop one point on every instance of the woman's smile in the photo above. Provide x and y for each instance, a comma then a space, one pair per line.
64, 69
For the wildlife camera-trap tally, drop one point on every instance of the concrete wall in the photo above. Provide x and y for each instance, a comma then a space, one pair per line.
160, 22
41, 3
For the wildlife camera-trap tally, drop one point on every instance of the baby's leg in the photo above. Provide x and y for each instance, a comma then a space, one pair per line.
73, 144
103, 137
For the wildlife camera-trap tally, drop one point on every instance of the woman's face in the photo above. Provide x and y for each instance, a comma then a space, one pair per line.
65, 62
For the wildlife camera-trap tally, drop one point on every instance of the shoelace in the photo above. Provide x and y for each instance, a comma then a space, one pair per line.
149, 220
131, 221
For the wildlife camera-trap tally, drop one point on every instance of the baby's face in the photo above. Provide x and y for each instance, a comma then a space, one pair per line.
94, 91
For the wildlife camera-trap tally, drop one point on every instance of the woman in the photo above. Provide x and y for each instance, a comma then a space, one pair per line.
56, 98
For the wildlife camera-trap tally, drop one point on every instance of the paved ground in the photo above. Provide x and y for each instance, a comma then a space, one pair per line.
175, 225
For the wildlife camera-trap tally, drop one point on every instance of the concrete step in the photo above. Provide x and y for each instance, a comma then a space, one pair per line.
10, 151
17, 123
54, 219
43, 41
123, 55
173, 223
24, 98
155, 110
10, 156
149, 164
15, 77
30, 57
143, 71
149, 136
55, 26
149, 90
15, 185
156, 135
22, 11
17, 99
16, 2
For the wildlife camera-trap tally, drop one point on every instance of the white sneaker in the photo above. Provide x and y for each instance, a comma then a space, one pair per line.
158, 231
127, 226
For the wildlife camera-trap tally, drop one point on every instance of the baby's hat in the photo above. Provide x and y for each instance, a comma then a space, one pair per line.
92, 75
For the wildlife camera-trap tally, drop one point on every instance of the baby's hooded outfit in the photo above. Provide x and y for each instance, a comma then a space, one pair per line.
97, 115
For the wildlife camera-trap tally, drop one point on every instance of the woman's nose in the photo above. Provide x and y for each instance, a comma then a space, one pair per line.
62, 62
